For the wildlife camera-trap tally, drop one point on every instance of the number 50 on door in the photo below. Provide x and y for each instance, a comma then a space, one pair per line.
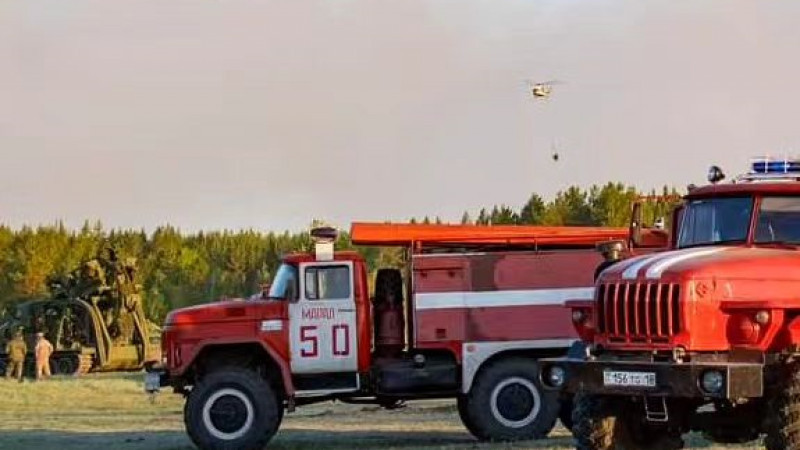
310, 343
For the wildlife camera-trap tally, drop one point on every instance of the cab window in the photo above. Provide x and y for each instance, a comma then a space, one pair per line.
327, 282
284, 286
778, 220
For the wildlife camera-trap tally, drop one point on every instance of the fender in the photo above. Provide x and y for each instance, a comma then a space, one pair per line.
286, 373
477, 353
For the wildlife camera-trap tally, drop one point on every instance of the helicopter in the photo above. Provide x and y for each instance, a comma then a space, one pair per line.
542, 90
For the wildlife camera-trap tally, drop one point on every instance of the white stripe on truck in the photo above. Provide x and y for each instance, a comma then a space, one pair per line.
487, 299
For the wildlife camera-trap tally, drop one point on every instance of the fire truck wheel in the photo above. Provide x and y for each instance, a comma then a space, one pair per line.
783, 413
607, 422
463, 412
566, 404
507, 403
232, 408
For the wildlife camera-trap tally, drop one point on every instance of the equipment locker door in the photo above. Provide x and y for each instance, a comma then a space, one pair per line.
323, 335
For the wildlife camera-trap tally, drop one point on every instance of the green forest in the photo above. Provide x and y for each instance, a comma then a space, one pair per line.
178, 269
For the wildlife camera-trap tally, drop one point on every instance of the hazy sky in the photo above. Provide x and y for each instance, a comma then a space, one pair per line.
266, 114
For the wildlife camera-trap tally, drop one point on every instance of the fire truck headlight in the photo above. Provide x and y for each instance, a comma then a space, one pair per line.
762, 317
579, 315
555, 376
712, 381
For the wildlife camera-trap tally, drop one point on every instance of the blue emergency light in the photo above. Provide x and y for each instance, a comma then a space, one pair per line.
775, 166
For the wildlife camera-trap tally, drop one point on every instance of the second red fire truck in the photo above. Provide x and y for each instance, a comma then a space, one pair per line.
704, 337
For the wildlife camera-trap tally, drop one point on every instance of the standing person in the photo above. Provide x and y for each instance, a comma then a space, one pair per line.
16, 350
43, 351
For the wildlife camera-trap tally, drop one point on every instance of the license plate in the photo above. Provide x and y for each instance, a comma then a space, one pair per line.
635, 379
152, 382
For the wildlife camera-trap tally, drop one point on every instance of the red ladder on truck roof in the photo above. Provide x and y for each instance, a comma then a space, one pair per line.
422, 235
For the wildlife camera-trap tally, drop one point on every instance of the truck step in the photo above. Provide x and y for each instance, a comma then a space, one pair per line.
656, 409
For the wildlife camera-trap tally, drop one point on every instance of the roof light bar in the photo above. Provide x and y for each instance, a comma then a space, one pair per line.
766, 165
765, 168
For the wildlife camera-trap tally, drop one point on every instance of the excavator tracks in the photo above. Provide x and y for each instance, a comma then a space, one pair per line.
71, 364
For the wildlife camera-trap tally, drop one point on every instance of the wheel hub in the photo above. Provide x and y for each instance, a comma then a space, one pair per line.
515, 402
228, 414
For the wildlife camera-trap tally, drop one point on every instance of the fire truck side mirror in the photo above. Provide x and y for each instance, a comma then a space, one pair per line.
635, 228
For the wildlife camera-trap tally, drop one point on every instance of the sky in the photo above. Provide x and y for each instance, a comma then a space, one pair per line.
267, 114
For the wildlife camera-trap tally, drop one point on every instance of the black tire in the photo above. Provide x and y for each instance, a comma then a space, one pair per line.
567, 403
248, 412
463, 402
507, 403
606, 423
783, 415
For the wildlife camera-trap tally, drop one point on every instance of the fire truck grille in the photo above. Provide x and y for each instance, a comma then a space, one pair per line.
639, 312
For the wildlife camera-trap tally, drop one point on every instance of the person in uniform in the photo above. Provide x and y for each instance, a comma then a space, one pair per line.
16, 350
43, 351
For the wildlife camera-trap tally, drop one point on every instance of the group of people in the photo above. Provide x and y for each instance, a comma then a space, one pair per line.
16, 349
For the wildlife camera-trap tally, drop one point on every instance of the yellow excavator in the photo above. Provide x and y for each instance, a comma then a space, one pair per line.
94, 318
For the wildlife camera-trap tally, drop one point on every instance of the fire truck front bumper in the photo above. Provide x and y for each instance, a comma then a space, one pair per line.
700, 379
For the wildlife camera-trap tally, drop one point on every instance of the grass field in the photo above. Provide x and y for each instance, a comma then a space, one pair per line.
112, 412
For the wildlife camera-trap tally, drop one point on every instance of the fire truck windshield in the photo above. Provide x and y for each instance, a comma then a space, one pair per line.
284, 286
710, 221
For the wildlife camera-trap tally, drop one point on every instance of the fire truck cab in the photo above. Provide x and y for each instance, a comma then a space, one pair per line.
467, 316
703, 337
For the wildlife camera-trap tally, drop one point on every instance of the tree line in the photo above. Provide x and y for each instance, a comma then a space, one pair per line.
179, 269
607, 205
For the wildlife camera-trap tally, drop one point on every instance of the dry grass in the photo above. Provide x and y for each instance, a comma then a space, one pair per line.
111, 411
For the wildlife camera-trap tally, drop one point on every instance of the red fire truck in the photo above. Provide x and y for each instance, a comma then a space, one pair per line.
703, 337
467, 317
